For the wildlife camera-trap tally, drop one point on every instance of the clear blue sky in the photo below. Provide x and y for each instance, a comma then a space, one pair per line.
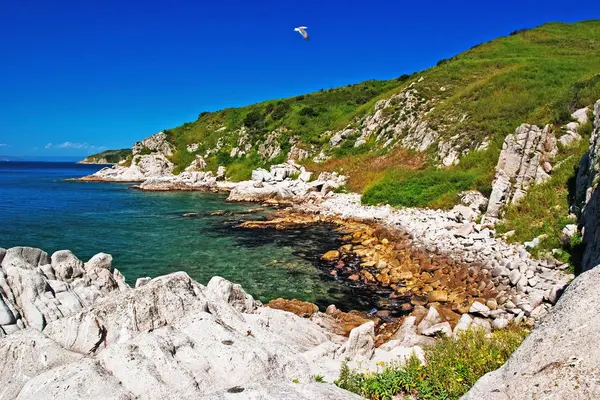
80, 75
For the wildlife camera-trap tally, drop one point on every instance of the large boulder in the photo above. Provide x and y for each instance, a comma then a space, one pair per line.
560, 358
36, 289
524, 161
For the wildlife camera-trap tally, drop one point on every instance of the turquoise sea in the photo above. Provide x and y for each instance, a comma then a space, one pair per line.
147, 235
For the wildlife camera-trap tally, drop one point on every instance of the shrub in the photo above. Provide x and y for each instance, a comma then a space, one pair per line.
513, 33
452, 367
254, 119
280, 111
308, 112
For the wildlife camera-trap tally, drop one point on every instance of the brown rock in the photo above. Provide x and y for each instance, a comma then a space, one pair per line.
437, 295
331, 255
300, 308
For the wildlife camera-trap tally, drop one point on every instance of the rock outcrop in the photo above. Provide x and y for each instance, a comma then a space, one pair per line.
524, 161
36, 289
560, 359
285, 183
588, 197
156, 143
174, 338
142, 167
149, 159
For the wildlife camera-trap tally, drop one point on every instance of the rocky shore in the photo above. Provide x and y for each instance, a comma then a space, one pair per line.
169, 337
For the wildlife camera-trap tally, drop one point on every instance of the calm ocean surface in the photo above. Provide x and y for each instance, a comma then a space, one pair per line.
147, 235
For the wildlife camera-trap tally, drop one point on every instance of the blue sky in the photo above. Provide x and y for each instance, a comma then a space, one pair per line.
77, 76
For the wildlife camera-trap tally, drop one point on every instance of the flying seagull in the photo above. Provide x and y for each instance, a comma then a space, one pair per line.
302, 31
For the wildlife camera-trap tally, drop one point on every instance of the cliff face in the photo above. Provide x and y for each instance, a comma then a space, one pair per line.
588, 197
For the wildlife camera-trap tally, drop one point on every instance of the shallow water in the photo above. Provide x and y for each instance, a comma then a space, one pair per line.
147, 235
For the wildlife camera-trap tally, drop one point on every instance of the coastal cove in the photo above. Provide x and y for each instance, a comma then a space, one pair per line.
147, 234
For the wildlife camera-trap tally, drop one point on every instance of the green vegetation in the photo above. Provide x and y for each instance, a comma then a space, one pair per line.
452, 367
111, 156
430, 187
545, 207
320, 379
537, 75
305, 117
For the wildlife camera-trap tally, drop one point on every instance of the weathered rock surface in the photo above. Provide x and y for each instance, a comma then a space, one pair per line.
588, 197
141, 168
36, 289
285, 183
174, 338
560, 359
524, 161
156, 143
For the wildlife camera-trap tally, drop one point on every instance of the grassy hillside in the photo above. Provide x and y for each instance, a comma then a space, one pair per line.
109, 156
537, 76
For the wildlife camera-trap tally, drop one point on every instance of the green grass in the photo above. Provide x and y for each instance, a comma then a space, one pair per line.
112, 156
451, 368
436, 188
545, 207
537, 76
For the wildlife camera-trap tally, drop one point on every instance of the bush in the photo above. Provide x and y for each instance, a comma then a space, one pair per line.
254, 120
452, 367
308, 112
280, 111
513, 33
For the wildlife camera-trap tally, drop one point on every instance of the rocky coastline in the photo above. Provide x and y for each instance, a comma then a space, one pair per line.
168, 336
443, 271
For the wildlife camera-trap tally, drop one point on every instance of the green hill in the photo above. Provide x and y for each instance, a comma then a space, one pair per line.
107, 157
471, 100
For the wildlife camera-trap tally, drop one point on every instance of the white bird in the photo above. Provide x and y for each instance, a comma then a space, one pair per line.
302, 31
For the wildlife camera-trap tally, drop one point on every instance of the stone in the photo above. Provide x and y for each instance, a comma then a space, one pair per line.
478, 308
440, 329
482, 323
66, 266
500, 271
464, 231
492, 304
500, 323
361, 343
464, 323
514, 276
432, 318
331, 255
437, 296
221, 171
559, 351
26, 354
581, 115
302, 309
220, 289
554, 293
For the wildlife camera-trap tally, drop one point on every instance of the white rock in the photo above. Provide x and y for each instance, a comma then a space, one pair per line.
361, 343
